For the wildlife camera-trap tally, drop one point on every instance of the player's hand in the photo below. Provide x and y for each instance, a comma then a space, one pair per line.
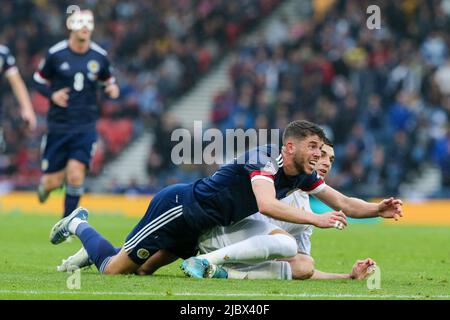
335, 219
112, 91
30, 118
390, 208
362, 269
61, 97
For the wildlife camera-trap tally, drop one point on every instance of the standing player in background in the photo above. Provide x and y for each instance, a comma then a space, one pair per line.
69, 77
9, 69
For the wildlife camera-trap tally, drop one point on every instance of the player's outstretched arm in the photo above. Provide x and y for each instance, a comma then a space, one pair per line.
356, 208
269, 205
360, 271
22, 95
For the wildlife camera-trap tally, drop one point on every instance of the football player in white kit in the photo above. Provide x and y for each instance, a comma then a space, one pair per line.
250, 248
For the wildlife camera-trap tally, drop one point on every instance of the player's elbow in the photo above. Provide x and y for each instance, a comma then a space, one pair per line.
265, 206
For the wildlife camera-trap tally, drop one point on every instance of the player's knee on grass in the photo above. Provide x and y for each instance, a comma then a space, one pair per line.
302, 267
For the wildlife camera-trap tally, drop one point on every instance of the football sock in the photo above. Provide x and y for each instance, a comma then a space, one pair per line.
72, 199
280, 270
254, 249
99, 249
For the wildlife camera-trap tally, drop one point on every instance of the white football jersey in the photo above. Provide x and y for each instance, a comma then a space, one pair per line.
259, 224
301, 232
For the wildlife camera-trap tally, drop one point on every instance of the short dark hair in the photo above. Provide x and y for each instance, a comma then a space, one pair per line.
328, 142
300, 129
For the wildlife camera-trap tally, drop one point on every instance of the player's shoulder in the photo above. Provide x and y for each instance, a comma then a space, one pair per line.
59, 47
98, 49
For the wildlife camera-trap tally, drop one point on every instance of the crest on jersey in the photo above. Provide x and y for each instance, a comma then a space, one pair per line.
93, 66
143, 253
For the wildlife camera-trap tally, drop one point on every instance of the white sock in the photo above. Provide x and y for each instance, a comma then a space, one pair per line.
280, 270
254, 249
73, 225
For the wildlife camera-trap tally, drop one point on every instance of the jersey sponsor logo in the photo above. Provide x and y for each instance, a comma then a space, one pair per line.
143, 253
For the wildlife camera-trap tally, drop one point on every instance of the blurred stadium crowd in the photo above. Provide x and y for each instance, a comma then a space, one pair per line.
383, 96
158, 48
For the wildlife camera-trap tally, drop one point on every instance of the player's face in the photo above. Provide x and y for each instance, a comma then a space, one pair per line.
307, 154
325, 162
82, 25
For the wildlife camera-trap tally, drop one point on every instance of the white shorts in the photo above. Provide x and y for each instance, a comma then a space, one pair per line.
255, 225
220, 237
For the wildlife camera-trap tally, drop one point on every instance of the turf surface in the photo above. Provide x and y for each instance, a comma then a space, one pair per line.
414, 263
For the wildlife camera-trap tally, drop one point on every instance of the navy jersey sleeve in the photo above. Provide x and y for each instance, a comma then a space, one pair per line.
43, 75
45, 69
312, 183
262, 163
7, 61
106, 73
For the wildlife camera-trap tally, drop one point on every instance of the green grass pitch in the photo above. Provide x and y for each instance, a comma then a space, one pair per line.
414, 263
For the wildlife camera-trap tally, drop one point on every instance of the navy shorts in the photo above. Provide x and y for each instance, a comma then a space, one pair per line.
164, 226
59, 148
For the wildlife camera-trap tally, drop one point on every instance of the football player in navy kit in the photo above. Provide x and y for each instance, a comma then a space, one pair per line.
254, 182
69, 76
9, 69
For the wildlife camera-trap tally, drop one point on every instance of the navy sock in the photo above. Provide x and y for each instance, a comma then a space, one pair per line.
99, 249
72, 199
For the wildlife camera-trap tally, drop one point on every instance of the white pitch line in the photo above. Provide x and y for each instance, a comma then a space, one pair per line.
230, 295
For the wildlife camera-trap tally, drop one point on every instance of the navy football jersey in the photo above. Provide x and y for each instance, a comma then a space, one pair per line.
7, 66
81, 73
227, 196
7, 61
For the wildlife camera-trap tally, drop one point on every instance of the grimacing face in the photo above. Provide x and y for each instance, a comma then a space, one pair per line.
325, 162
82, 24
307, 154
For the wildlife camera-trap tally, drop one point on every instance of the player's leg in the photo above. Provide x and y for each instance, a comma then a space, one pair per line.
81, 149
48, 183
53, 163
248, 241
156, 261
75, 172
275, 245
280, 270
99, 250
163, 234
79, 260
302, 266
